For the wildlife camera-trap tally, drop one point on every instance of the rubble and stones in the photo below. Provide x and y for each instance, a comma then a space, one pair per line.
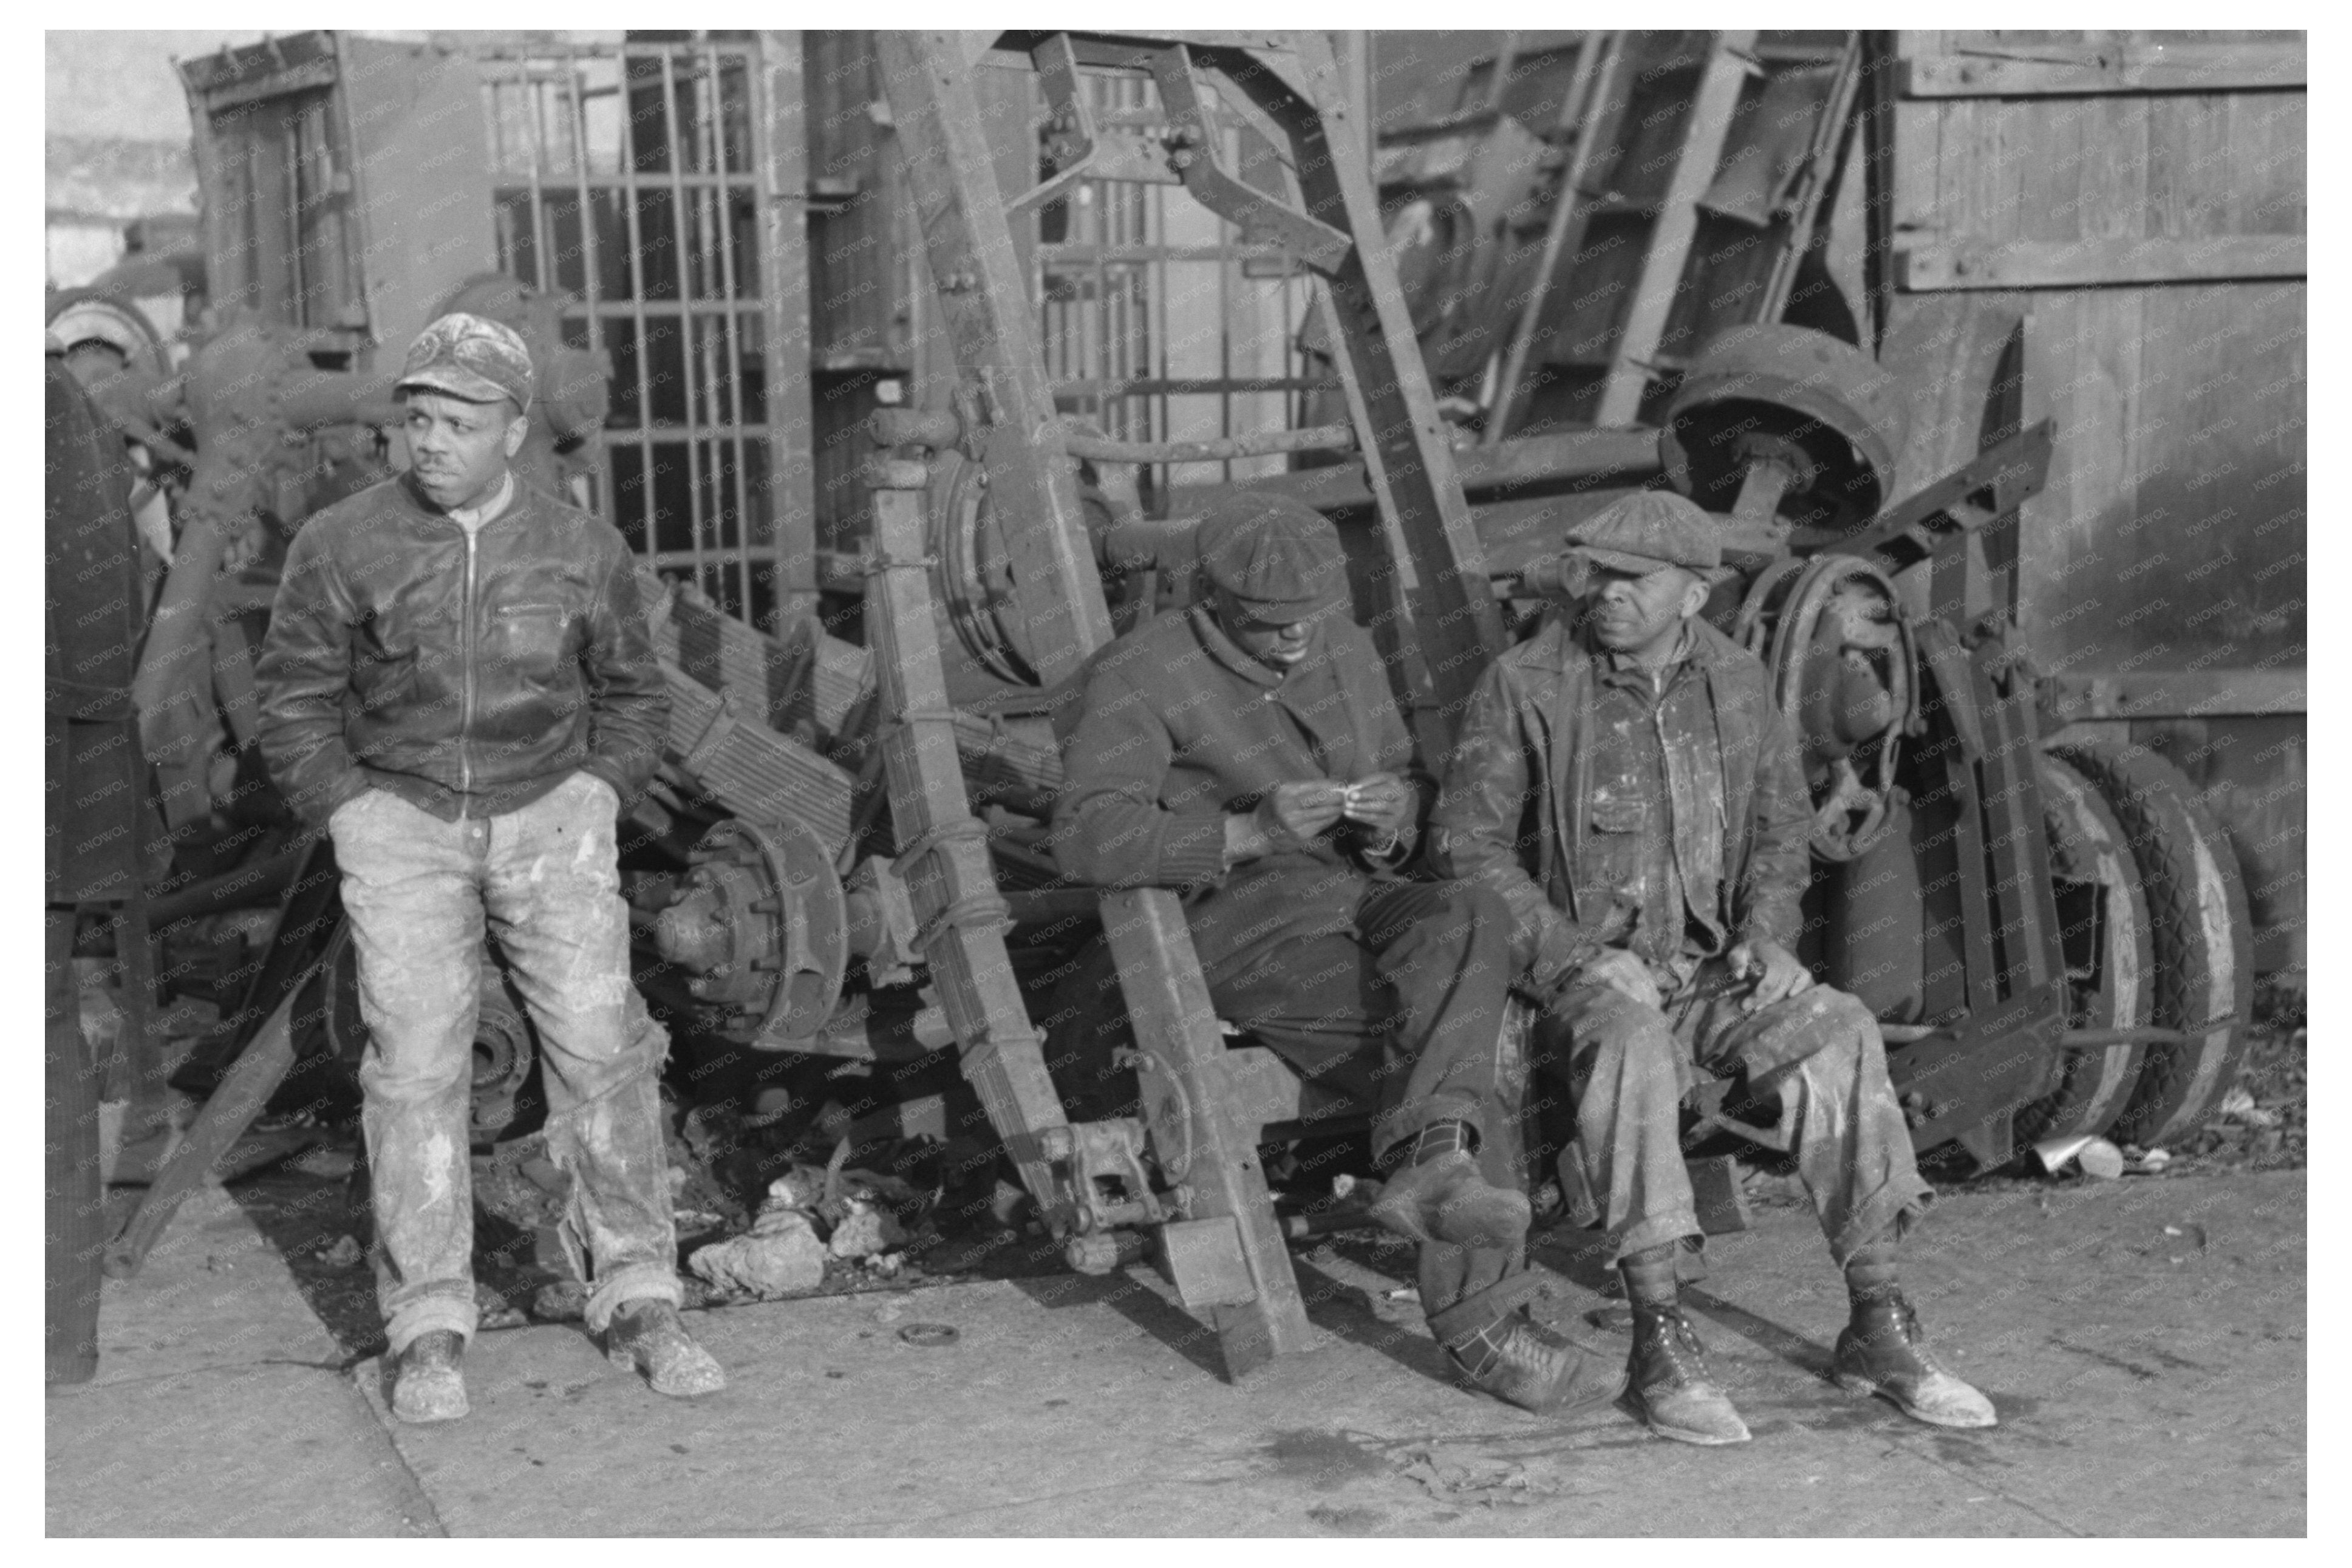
780, 1255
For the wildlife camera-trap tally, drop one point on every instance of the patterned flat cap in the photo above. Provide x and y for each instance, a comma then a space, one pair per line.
470, 357
1650, 528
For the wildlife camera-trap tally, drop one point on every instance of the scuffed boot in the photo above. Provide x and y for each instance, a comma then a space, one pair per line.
1442, 1195
647, 1337
1540, 1369
1670, 1391
1491, 1336
426, 1385
1884, 1352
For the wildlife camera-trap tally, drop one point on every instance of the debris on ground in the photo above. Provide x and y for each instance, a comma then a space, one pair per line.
780, 1255
562, 1301
866, 1231
494, 1309
2093, 1156
931, 1336
1463, 1476
2263, 1119
343, 1252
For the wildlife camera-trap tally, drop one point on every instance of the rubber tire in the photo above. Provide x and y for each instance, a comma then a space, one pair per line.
2095, 1087
2200, 929
74, 1205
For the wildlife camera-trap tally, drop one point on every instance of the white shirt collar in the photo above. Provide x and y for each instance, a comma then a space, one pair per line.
473, 517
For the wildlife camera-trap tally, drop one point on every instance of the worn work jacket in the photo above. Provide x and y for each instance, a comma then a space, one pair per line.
102, 833
1180, 727
464, 671
1517, 809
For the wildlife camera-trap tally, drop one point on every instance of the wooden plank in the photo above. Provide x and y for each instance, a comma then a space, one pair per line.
1188, 1103
1378, 361
1553, 457
1607, 54
783, 159
944, 856
1927, 265
2021, 71
2180, 694
232, 1108
1677, 227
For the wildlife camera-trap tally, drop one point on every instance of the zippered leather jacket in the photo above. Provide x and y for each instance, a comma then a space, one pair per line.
462, 672
1516, 810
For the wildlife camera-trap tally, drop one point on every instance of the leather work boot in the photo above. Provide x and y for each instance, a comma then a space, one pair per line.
1670, 1391
1884, 1352
647, 1337
1539, 1368
1443, 1197
426, 1385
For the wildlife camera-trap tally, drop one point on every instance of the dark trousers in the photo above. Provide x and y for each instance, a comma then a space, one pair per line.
1402, 1012
74, 1208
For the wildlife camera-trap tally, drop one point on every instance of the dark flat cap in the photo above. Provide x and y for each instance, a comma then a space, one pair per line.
1647, 530
1279, 557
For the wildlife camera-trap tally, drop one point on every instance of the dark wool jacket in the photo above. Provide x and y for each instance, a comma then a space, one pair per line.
1512, 813
477, 672
1179, 728
101, 828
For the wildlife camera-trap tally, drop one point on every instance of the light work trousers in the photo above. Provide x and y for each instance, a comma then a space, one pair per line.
1625, 1067
417, 890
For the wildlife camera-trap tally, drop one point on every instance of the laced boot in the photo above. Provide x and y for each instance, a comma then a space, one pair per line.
647, 1336
1884, 1352
1670, 1391
1442, 1195
1500, 1348
426, 1385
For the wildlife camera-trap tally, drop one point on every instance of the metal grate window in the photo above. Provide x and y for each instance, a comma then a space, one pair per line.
1157, 322
628, 176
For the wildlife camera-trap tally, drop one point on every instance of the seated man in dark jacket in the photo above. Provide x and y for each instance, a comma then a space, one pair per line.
1248, 754
458, 686
1625, 780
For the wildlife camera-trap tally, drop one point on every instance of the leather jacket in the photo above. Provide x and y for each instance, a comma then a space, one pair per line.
463, 672
1512, 813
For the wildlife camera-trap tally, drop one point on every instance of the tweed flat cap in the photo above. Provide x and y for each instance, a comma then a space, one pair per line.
1280, 558
470, 357
1647, 530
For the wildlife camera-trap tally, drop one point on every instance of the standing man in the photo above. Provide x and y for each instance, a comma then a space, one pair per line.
1628, 785
1247, 754
458, 686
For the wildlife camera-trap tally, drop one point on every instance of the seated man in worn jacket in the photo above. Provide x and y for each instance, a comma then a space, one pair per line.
458, 686
1248, 754
1625, 780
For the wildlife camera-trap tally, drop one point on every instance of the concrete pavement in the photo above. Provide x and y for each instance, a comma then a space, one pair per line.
2144, 1341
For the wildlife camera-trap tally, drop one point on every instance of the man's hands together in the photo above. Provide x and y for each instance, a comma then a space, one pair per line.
1288, 816
1774, 969
1622, 973
1293, 816
1773, 972
1381, 802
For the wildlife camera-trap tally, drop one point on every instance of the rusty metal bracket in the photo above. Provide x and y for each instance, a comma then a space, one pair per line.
1937, 518
1192, 152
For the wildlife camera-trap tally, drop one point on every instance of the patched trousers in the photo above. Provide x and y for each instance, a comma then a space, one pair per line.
1625, 1068
417, 892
